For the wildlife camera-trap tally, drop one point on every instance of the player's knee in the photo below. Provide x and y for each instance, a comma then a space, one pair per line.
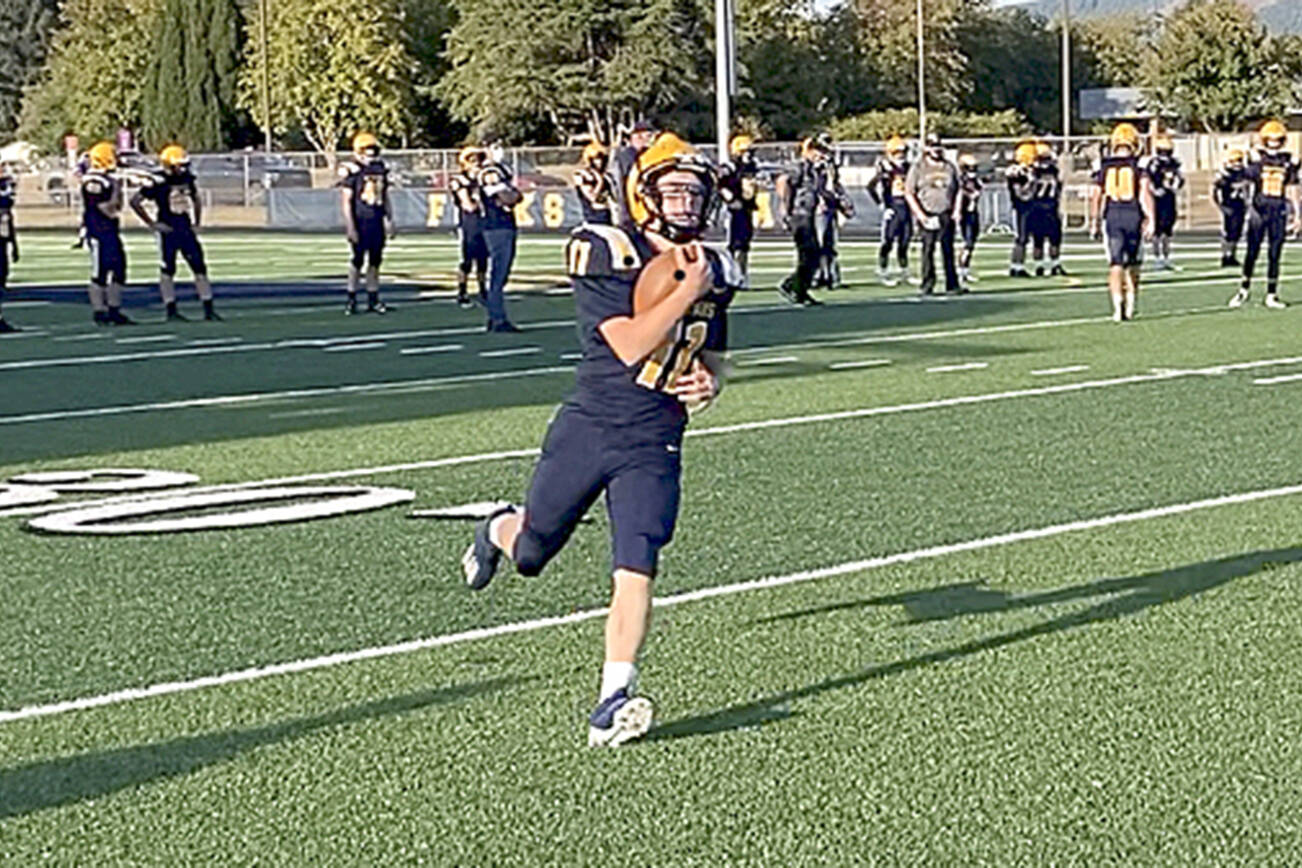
532, 552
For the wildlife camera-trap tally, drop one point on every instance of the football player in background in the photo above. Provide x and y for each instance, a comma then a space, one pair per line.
802, 189
1163, 169
833, 204
595, 189
1021, 191
8, 237
1273, 181
1044, 212
739, 191
177, 213
969, 214
620, 432
637, 140
368, 218
1122, 197
499, 195
1230, 193
886, 188
470, 224
102, 200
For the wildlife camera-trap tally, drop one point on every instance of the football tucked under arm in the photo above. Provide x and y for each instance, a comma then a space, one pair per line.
665, 289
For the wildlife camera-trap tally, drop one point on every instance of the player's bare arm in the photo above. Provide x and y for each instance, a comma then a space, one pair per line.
633, 338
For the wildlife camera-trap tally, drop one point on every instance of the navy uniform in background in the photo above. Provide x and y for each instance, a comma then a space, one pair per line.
1230, 193
470, 224
368, 218
803, 189
969, 214
886, 188
1122, 200
1272, 176
1167, 179
102, 200
1021, 192
833, 204
499, 196
739, 191
8, 238
595, 189
177, 212
1044, 212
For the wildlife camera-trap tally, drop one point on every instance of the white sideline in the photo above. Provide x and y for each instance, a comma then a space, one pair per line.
344, 657
760, 425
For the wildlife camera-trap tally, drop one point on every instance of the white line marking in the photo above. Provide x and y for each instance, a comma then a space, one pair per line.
258, 397
867, 363
348, 348
90, 337
213, 342
1270, 381
441, 348
146, 339
782, 422
320, 411
571, 357
967, 366
514, 351
857, 566
776, 360
1066, 369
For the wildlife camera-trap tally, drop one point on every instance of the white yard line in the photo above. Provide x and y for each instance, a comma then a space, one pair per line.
441, 348
759, 425
146, 339
1271, 381
1066, 369
513, 351
846, 568
867, 363
775, 360
348, 348
966, 366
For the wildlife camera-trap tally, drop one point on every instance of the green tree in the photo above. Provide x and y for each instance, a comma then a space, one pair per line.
1216, 68
335, 69
190, 87
887, 30
428, 23
94, 77
579, 66
1013, 64
25, 30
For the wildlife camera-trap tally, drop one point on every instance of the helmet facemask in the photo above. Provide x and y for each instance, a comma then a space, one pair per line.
678, 202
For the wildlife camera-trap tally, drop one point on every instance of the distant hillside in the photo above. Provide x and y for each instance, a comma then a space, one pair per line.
1279, 16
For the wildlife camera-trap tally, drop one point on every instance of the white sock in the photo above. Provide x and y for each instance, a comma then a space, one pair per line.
615, 676
495, 529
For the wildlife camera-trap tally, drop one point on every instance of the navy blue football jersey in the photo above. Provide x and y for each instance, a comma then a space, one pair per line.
370, 186
1270, 176
173, 195
1164, 174
1045, 184
8, 192
604, 263
465, 193
1120, 179
969, 191
1231, 185
98, 188
494, 179
888, 182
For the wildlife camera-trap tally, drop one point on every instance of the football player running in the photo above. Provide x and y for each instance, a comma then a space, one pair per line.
886, 188
1273, 180
596, 190
1230, 193
177, 213
368, 218
8, 237
969, 214
101, 196
470, 223
1122, 197
620, 431
1166, 179
739, 191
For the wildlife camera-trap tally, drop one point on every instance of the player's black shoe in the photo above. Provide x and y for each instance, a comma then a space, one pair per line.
174, 314
480, 562
99, 317
1058, 271
6, 328
116, 317
503, 328
787, 290
379, 307
351, 307
209, 313
463, 300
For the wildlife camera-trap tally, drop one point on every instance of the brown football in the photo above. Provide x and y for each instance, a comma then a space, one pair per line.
657, 280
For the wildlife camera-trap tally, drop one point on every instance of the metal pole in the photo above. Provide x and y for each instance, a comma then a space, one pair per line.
922, 94
266, 79
1066, 78
723, 74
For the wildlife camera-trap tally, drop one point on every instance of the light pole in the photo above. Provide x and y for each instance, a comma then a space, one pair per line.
922, 94
266, 79
725, 73
1066, 81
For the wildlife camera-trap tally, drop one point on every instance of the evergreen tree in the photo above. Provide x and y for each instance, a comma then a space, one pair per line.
189, 95
26, 27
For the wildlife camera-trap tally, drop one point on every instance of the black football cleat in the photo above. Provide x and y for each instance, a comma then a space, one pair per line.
116, 317
174, 314
209, 313
6, 328
1058, 271
379, 307
503, 328
480, 562
99, 317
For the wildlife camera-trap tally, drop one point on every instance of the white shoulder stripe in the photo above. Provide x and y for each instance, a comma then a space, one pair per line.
623, 252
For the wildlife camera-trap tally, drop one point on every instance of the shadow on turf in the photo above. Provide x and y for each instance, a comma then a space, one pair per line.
1130, 595
48, 784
